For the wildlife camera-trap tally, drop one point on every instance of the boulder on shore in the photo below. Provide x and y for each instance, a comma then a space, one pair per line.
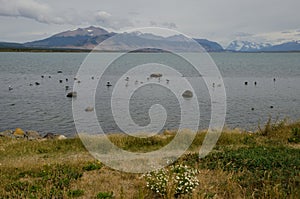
52, 136
61, 137
32, 135
7, 133
19, 133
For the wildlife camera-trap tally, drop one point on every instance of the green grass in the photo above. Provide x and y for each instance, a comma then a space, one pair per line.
264, 164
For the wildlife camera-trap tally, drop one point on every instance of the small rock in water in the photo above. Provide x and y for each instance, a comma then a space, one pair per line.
156, 75
89, 109
67, 87
72, 94
187, 94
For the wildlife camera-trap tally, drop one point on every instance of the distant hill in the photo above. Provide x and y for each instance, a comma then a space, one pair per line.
88, 38
210, 46
81, 38
10, 45
246, 46
288, 46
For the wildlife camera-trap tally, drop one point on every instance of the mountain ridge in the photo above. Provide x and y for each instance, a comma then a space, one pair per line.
247, 46
89, 37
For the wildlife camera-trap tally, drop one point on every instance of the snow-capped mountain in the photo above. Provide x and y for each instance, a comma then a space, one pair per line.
247, 46
89, 31
82, 38
88, 38
288, 46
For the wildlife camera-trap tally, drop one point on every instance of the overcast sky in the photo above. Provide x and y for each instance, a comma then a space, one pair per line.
219, 20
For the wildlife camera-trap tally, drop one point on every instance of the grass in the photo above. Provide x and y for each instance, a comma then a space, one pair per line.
264, 164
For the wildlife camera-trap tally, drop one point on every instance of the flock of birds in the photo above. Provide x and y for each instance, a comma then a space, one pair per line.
141, 82
108, 84
255, 83
10, 88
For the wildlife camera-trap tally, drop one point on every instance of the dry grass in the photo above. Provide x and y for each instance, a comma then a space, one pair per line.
23, 162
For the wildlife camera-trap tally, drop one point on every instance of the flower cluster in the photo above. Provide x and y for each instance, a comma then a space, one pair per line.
185, 179
177, 180
157, 181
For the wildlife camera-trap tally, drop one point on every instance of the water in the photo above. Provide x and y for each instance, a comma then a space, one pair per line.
45, 108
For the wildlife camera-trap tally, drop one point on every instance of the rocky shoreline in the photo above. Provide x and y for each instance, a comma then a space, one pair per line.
18, 133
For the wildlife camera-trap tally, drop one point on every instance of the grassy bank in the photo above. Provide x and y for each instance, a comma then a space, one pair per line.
264, 164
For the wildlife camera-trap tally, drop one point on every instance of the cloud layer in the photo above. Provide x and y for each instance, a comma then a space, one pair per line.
43, 13
222, 21
29, 9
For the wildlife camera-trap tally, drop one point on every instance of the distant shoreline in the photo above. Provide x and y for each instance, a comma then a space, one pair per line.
71, 50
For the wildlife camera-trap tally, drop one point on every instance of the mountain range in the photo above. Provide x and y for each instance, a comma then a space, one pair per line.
88, 38
247, 46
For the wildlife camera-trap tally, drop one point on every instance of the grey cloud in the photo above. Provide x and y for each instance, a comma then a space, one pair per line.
29, 9
204, 19
169, 25
243, 34
107, 20
134, 13
153, 23
43, 13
